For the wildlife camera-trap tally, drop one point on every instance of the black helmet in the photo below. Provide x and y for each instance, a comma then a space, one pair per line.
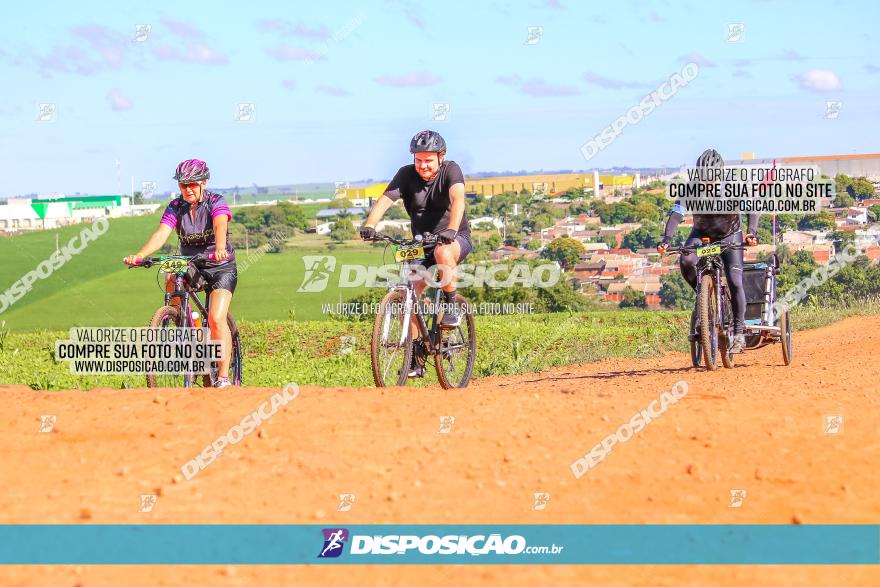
710, 158
427, 141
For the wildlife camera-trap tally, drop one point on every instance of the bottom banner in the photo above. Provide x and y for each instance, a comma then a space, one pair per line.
439, 544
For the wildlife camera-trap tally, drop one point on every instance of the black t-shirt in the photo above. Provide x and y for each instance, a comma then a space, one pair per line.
427, 202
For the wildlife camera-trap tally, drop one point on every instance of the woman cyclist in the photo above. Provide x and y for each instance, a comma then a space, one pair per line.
201, 218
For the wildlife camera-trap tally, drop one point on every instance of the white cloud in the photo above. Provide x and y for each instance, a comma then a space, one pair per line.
818, 80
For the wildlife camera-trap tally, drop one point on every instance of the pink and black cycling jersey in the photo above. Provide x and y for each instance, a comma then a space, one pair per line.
197, 234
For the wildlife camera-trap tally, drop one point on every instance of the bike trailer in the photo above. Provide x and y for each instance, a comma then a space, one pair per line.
758, 283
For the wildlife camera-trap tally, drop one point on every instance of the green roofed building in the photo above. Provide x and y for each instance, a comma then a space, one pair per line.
44, 213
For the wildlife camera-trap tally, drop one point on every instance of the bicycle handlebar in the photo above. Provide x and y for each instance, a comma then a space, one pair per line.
688, 250
147, 262
425, 239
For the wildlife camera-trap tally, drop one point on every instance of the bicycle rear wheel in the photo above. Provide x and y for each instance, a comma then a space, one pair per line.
785, 336
235, 364
709, 323
694, 338
168, 317
724, 339
391, 345
457, 349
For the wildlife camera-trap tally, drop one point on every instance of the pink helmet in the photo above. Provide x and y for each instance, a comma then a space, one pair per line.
191, 171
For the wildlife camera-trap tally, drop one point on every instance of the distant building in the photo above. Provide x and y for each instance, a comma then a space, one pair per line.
486, 220
867, 165
507, 252
856, 216
546, 184
321, 228
47, 213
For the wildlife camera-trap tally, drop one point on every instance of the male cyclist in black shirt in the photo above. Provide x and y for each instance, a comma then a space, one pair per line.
432, 190
717, 227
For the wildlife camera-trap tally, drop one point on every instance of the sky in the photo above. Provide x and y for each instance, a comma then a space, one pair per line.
338, 88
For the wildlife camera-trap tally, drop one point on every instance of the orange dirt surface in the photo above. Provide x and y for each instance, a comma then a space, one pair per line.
758, 427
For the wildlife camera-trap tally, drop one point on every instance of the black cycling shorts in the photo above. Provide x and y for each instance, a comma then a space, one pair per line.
464, 242
208, 279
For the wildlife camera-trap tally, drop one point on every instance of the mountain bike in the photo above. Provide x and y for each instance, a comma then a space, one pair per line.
711, 332
182, 315
392, 348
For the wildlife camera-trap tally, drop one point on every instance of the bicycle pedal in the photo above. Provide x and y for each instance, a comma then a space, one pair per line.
416, 373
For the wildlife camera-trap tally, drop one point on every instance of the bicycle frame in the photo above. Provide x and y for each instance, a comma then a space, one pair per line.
183, 292
429, 335
715, 266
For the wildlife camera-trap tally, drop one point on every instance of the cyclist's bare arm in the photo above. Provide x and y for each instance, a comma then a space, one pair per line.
154, 243
221, 224
378, 211
456, 211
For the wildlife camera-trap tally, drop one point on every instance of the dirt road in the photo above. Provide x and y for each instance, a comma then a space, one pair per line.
758, 427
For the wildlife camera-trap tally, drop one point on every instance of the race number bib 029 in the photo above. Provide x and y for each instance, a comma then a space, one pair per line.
710, 250
410, 253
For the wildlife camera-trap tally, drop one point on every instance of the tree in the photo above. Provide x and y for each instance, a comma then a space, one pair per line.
534, 244
564, 250
841, 239
342, 230
293, 216
824, 220
875, 212
622, 212
631, 298
138, 198
494, 241
610, 241
644, 237
646, 212
862, 188
843, 200
675, 292
396, 212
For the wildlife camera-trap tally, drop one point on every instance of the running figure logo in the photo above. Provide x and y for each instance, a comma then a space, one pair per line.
446, 423
318, 270
148, 501
833, 424
346, 500
47, 423
540, 502
334, 541
737, 497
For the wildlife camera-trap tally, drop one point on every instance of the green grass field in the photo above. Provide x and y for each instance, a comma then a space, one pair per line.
94, 288
309, 353
277, 352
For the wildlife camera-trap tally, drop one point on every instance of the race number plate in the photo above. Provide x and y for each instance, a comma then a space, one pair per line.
174, 266
410, 253
709, 250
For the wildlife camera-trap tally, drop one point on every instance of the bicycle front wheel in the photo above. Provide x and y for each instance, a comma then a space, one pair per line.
391, 345
709, 322
168, 317
457, 349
